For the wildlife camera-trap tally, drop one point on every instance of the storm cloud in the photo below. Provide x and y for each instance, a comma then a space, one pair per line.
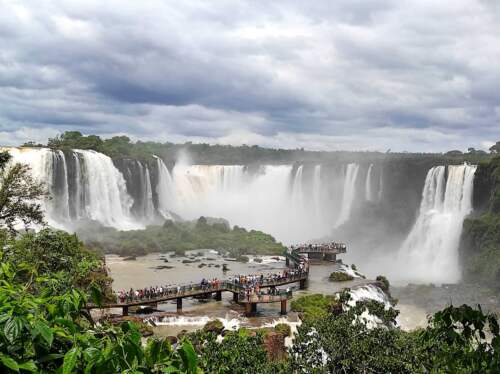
414, 75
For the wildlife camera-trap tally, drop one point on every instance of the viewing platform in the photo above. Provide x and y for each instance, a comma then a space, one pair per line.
324, 252
251, 301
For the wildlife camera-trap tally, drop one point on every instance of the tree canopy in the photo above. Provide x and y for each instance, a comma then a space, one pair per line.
20, 195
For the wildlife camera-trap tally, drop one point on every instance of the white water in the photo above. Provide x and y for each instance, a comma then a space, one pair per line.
40, 161
369, 292
317, 194
292, 204
164, 189
100, 194
277, 199
297, 192
431, 248
149, 209
349, 193
350, 271
106, 197
368, 184
199, 321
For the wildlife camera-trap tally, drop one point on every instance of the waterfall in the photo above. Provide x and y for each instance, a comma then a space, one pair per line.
297, 191
149, 210
42, 163
316, 190
78, 188
106, 197
144, 206
164, 189
368, 184
430, 251
348, 194
59, 188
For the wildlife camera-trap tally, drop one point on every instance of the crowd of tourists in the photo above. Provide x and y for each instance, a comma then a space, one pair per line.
149, 293
319, 247
247, 284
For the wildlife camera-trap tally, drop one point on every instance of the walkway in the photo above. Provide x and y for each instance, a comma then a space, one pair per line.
298, 272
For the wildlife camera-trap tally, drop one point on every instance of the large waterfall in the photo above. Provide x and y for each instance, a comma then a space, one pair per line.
294, 202
430, 251
349, 193
104, 191
85, 185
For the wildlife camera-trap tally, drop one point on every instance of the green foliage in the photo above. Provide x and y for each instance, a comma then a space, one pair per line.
60, 258
315, 306
237, 353
480, 246
340, 276
215, 326
19, 195
383, 283
456, 341
283, 329
75, 140
343, 344
52, 332
202, 153
183, 236
495, 148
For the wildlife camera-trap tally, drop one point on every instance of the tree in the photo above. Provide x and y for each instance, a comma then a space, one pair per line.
495, 148
20, 195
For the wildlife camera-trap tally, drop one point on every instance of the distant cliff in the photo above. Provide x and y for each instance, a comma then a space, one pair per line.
480, 244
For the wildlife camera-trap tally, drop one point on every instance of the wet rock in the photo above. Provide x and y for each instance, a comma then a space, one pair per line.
215, 326
172, 339
274, 344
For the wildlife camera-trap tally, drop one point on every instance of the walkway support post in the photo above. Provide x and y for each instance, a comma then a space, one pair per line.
218, 296
179, 304
303, 284
125, 310
250, 309
283, 307
235, 297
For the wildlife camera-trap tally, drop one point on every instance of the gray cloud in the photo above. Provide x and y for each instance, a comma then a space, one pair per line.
349, 74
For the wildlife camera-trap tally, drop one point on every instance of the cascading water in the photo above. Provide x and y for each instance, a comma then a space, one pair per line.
294, 204
368, 184
149, 208
82, 185
164, 189
43, 164
297, 192
316, 191
431, 249
348, 194
106, 197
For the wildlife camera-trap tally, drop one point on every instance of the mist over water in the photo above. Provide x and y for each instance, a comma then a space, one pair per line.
396, 221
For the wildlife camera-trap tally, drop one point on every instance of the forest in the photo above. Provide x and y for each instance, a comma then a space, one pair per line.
201, 153
179, 237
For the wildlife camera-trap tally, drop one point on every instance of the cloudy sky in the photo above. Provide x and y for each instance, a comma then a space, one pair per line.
418, 75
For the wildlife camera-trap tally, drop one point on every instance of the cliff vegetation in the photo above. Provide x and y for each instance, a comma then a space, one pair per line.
480, 247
